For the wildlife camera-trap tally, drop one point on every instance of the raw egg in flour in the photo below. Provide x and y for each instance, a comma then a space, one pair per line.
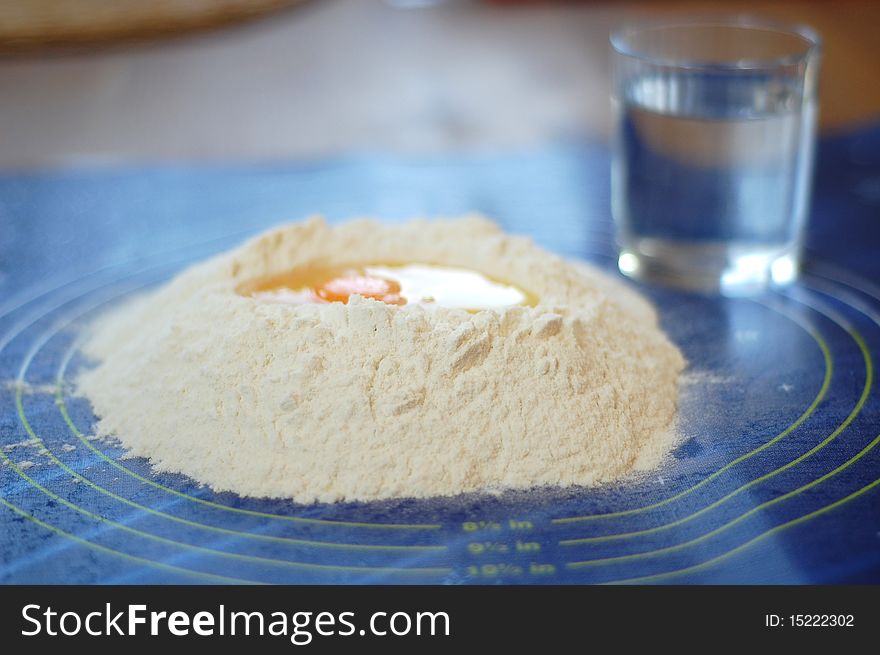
428, 285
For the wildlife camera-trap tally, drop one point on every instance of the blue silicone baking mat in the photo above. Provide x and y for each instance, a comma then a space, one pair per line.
775, 479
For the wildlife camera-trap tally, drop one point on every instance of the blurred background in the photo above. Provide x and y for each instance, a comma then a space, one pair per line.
102, 82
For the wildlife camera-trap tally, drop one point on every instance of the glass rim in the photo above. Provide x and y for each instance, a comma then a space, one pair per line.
810, 36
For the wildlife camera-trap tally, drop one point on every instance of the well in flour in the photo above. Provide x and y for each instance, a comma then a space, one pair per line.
365, 400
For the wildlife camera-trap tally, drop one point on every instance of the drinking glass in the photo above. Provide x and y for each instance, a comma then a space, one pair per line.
713, 154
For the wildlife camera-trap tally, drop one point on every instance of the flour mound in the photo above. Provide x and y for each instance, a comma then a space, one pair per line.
365, 401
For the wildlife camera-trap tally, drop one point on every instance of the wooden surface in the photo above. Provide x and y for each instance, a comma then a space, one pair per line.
362, 75
33, 24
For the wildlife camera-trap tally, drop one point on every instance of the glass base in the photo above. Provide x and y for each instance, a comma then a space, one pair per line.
728, 269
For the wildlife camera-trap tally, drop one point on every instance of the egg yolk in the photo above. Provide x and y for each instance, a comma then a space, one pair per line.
395, 284
349, 283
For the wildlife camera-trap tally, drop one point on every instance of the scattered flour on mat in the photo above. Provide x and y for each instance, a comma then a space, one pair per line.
365, 401
28, 389
27, 443
36, 444
693, 377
